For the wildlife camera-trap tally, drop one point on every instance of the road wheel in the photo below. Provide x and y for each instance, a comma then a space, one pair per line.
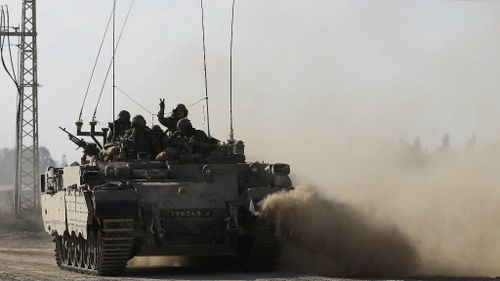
65, 247
73, 255
91, 245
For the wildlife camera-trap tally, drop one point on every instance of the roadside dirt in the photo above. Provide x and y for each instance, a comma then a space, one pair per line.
29, 256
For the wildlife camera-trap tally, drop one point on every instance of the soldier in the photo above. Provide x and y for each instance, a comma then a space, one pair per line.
139, 141
170, 122
197, 138
471, 144
445, 151
445, 144
122, 123
157, 132
186, 144
198, 146
158, 136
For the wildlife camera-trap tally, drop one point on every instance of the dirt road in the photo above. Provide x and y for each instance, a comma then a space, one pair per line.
27, 256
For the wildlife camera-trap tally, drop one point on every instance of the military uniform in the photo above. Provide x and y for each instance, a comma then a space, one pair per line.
116, 130
119, 126
158, 137
187, 144
139, 140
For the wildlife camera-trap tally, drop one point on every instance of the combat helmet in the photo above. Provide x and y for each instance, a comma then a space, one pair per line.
138, 121
124, 115
182, 107
184, 124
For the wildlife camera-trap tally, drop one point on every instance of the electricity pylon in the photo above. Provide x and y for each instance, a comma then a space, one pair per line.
26, 192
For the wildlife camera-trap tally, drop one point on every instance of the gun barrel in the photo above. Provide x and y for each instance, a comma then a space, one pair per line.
88, 148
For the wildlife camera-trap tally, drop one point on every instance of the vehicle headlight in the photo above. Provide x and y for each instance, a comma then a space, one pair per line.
280, 169
207, 172
254, 168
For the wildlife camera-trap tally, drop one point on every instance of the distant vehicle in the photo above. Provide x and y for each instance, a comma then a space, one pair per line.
101, 214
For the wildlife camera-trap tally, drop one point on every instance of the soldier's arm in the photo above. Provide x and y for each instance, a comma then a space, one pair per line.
110, 133
161, 114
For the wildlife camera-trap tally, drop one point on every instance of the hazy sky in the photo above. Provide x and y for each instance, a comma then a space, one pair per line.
306, 72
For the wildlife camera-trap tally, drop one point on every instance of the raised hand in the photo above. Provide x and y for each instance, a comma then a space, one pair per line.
162, 104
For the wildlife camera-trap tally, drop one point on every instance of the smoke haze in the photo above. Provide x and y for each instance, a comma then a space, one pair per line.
395, 211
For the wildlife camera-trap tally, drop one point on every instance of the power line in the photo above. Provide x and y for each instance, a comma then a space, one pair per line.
195, 103
133, 100
4, 25
95, 64
120, 90
10, 45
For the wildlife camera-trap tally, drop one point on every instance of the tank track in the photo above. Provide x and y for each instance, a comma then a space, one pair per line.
265, 249
104, 253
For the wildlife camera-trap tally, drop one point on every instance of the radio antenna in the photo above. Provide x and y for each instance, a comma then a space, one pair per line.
114, 71
231, 133
205, 63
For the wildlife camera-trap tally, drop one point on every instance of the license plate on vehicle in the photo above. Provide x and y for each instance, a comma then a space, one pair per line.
191, 213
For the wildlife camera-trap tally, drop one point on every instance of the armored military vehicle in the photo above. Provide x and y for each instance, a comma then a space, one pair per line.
103, 213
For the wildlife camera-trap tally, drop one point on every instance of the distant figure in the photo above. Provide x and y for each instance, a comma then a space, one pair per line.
445, 151
413, 156
417, 145
446, 144
170, 122
119, 126
471, 144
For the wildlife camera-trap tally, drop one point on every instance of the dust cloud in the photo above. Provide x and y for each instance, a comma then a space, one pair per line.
336, 239
394, 210
143, 262
8, 221
334, 101
28, 223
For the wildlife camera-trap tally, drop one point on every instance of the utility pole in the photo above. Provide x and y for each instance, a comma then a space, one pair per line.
26, 192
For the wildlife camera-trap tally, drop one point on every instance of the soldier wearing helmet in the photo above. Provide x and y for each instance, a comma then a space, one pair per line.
198, 143
177, 114
157, 132
158, 136
119, 126
138, 140
186, 143
116, 131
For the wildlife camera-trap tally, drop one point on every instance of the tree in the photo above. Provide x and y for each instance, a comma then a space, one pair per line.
64, 161
8, 164
45, 160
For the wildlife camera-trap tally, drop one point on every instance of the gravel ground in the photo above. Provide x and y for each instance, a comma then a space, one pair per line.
27, 256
